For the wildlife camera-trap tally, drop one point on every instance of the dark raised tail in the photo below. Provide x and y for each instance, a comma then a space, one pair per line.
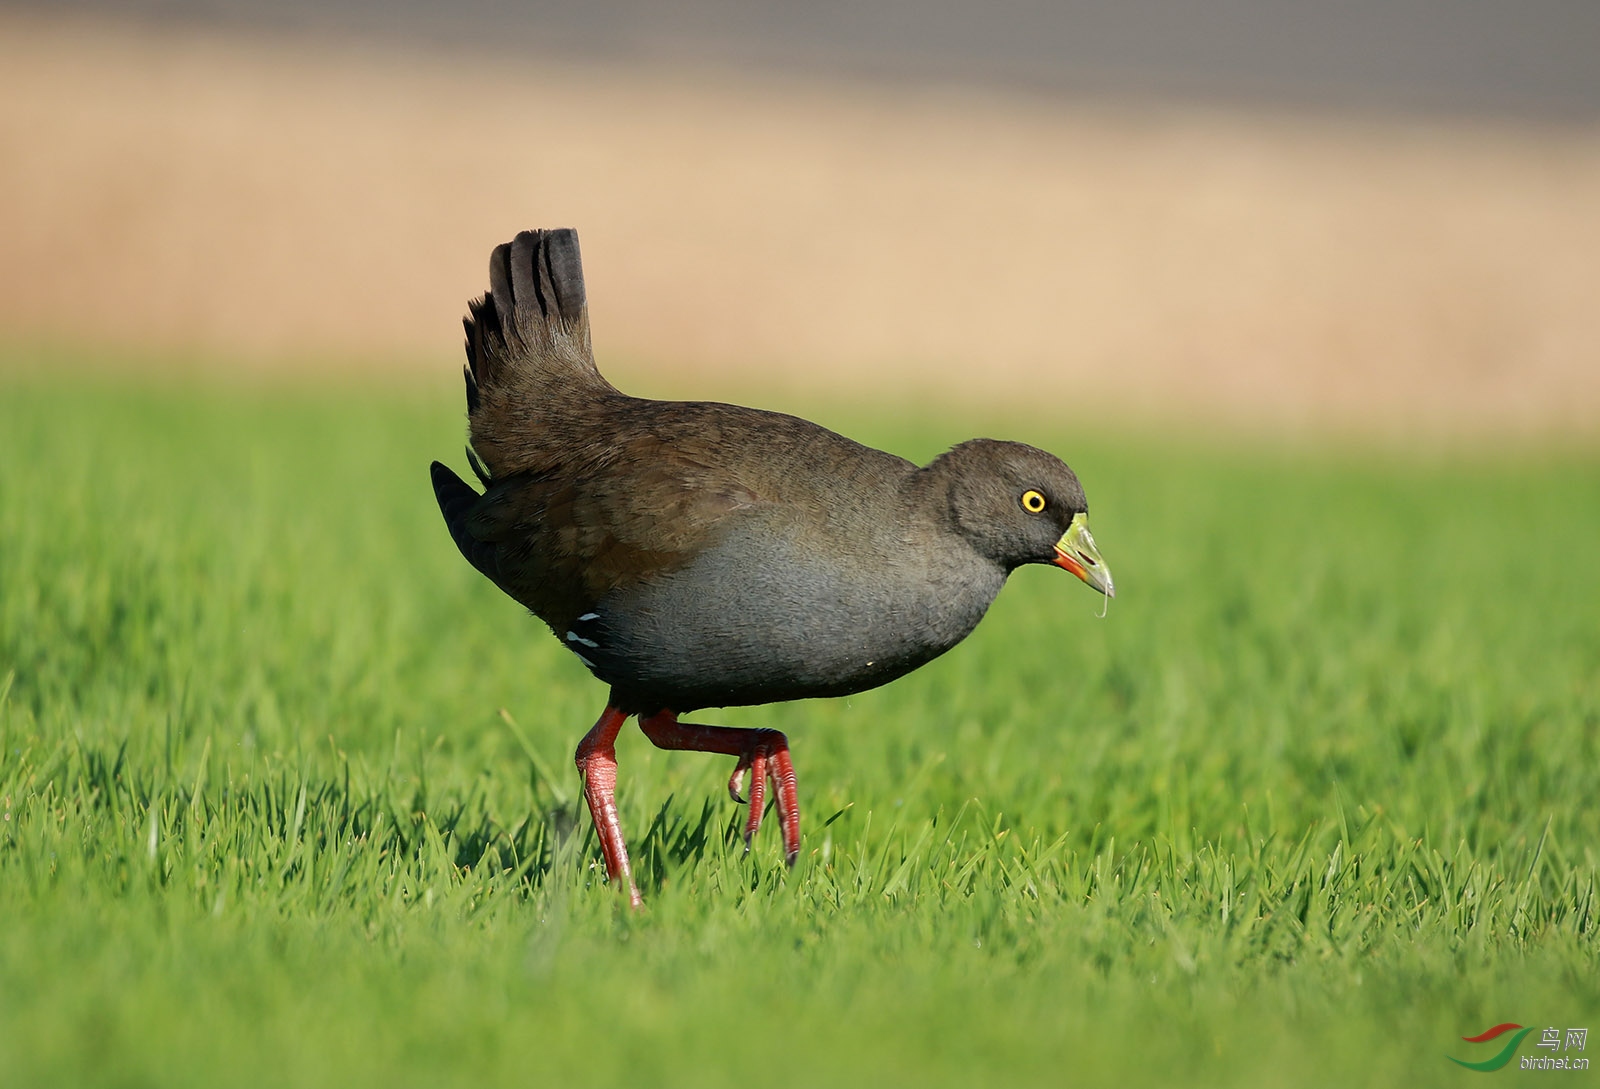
528, 354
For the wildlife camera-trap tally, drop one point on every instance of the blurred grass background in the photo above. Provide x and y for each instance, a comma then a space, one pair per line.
284, 787
1308, 805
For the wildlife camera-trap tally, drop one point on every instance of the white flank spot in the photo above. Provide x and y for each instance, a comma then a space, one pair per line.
574, 637
589, 616
584, 660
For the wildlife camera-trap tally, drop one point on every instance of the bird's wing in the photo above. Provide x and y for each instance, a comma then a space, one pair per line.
559, 541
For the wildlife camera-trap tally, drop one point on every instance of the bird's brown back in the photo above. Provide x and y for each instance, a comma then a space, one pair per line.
587, 489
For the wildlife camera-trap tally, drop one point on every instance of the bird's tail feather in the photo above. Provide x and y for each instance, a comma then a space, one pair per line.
527, 341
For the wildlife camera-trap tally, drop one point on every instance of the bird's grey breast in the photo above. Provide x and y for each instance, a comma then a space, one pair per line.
777, 610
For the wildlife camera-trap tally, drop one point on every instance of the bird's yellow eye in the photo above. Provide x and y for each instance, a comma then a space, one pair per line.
1032, 501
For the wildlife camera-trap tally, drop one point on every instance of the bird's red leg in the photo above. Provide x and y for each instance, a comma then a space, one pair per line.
763, 753
597, 763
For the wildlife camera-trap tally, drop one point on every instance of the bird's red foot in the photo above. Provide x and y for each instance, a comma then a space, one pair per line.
597, 763
762, 753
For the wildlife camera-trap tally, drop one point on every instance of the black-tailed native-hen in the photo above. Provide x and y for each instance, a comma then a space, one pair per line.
697, 555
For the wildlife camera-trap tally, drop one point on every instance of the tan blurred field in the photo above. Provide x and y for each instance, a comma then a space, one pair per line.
276, 201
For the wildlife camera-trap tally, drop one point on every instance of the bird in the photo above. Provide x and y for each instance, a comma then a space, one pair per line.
697, 555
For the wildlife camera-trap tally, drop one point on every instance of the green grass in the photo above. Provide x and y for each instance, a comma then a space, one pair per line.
1314, 800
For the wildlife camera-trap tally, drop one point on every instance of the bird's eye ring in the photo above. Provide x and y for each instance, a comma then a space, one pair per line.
1032, 501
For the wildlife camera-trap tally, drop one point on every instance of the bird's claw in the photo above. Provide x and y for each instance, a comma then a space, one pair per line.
766, 758
764, 754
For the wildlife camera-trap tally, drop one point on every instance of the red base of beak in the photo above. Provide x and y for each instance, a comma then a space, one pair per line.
1070, 563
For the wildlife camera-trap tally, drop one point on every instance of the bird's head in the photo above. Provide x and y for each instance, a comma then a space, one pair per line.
1017, 504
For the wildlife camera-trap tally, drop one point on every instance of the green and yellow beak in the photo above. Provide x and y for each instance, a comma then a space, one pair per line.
1076, 552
